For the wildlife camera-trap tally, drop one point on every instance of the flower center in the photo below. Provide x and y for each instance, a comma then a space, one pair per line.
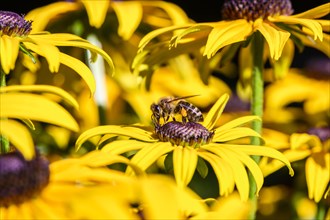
12, 24
254, 9
184, 134
21, 180
323, 133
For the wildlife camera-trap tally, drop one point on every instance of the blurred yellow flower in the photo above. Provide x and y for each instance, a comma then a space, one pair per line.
314, 147
155, 13
22, 102
189, 145
273, 19
73, 188
15, 36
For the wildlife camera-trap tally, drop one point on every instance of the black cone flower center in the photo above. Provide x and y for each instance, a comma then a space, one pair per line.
21, 180
254, 9
184, 134
12, 24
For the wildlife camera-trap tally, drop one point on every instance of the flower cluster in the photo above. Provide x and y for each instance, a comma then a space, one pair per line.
83, 137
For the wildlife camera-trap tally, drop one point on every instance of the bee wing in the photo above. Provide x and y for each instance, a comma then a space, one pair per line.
183, 97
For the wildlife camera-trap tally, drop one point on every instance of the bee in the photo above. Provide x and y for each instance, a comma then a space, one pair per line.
168, 107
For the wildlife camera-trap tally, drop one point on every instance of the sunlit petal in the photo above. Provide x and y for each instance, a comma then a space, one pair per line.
316, 12
275, 37
237, 122
184, 164
225, 33
43, 89
215, 112
19, 136
97, 11
132, 132
128, 25
9, 48
317, 175
234, 133
263, 151
223, 172
80, 68
122, 146
149, 154
313, 25
35, 107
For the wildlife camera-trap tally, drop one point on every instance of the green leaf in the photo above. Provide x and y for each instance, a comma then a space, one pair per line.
168, 163
202, 168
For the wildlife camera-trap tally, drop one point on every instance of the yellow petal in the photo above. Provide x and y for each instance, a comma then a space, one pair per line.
42, 15
263, 151
9, 47
115, 130
313, 25
35, 107
81, 69
298, 140
184, 164
97, 11
222, 170
215, 112
128, 24
282, 65
275, 37
43, 89
72, 41
149, 154
225, 33
151, 35
251, 165
176, 14
50, 52
292, 155
317, 12
121, 146
234, 133
317, 175
19, 136
240, 174
237, 122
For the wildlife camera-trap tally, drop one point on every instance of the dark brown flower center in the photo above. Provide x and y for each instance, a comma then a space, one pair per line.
12, 24
21, 180
323, 132
184, 134
254, 9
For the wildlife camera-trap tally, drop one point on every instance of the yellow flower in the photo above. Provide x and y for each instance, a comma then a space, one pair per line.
15, 36
242, 19
190, 145
314, 147
22, 103
76, 188
314, 95
97, 11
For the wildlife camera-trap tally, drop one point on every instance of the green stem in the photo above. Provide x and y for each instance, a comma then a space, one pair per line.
321, 210
4, 142
257, 84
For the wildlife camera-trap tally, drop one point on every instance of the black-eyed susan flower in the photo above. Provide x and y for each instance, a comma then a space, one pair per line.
314, 148
189, 144
21, 105
73, 188
16, 35
154, 13
242, 19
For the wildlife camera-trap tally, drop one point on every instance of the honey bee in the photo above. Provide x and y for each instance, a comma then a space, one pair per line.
168, 107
